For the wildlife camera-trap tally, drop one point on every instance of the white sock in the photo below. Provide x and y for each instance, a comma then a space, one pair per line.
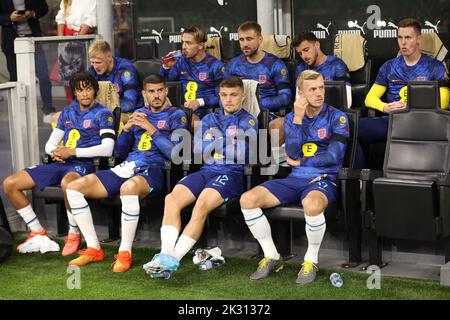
30, 218
315, 230
260, 228
73, 227
83, 217
169, 237
184, 244
130, 219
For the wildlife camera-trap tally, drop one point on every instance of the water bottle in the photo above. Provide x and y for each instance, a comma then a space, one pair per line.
336, 280
176, 55
205, 265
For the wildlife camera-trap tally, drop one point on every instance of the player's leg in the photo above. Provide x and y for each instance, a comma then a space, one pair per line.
13, 187
73, 239
315, 201
179, 198
91, 187
252, 202
130, 192
208, 200
164, 263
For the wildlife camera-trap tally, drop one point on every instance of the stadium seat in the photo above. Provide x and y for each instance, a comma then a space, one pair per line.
343, 214
410, 198
146, 61
175, 93
336, 94
360, 80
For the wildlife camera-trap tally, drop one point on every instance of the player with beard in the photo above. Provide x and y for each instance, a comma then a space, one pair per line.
265, 68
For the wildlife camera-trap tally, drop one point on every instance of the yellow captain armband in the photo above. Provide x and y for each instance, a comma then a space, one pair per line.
445, 96
373, 98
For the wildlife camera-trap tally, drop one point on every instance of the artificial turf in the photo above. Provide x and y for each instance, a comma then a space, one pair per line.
44, 276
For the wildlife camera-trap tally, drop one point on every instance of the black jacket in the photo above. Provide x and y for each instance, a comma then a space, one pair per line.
9, 33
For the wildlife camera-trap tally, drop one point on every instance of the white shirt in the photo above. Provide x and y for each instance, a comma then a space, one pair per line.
79, 13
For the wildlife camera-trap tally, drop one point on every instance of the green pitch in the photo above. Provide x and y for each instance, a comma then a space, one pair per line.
44, 276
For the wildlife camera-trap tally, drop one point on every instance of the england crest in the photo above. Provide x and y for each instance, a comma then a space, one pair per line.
202, 76
322, 133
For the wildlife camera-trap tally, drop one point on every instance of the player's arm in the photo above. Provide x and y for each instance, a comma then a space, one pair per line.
171, 74
246, 138
57, 134
124, 142
373, 98
445, 95
54, 140
130, 91
104, 149
294, 137
336, 148
283, 86
163, 140
204, 138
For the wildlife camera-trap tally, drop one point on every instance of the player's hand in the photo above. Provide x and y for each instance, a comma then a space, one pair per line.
128, 124
396, 105
140, 119
294, 163
62, 153
16, 17
167, 62
193, 105
300, 105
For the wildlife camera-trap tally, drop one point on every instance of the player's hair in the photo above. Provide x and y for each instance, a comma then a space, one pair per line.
303, 36
99, 47
307, 75
411, 22
232, 82
83, 80
198, 33
154, 78
250, 25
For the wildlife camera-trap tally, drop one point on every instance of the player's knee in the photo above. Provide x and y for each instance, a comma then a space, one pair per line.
201, 208
248, 200
170, 201
313, 205
75, 185
9, 184
129, 188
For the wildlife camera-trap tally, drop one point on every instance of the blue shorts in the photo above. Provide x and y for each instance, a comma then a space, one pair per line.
293, 190
230, 185
112, 182
51, 174
272, 116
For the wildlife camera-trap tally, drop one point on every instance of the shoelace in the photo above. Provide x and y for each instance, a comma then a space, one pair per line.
307, 267
263, 263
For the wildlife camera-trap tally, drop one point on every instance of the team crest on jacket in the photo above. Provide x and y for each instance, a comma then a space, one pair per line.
322, 133
161, 124
202, 76
87, 123
231, 130
262, 78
